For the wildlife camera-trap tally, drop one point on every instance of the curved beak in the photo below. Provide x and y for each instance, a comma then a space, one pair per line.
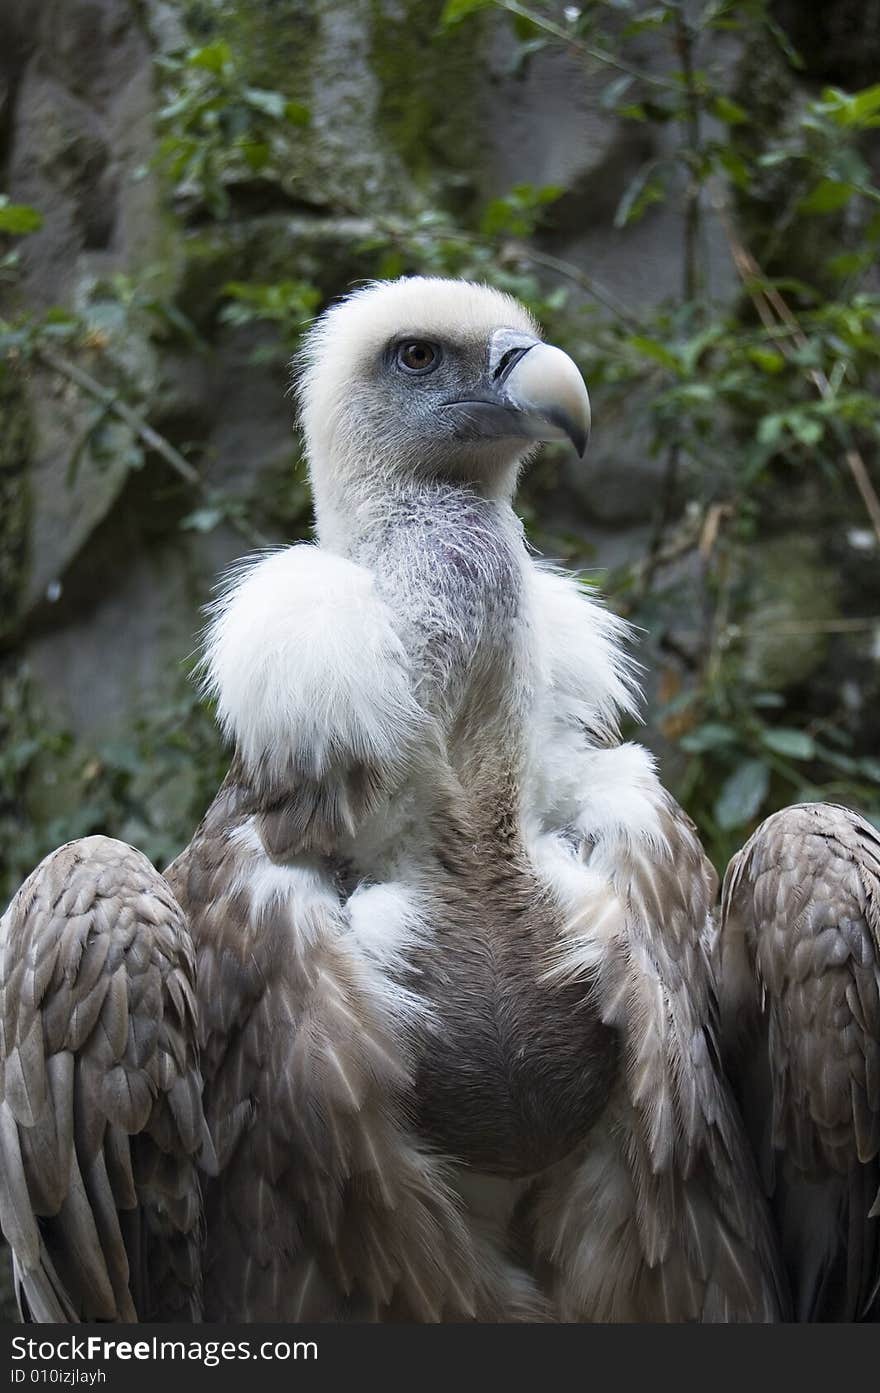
532, 391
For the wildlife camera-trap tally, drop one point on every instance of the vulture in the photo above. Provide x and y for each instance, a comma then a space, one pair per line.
436, 1018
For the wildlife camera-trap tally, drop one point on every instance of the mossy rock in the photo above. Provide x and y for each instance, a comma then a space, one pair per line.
326, 252
794, 593
395, 104
430, 91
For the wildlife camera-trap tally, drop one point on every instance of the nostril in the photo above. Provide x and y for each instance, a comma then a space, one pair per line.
507, 361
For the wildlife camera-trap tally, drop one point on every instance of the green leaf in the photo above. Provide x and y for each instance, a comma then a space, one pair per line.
845, 763
694, 392
865, 103
651, 348
807, 430
61, 329
202, 520
771, 158
731, 113
296, 113
710, 736
784, 740
783, 41
827, 197
614, 91
392, 265
858, 109
643, 190
261, 99
58, 314
767, 359
456, 10
213, 57
89, 442
527, 30
742, 794
850, 263
770, 428
735, 166
768, 699
256, 154
519, 211
19, 218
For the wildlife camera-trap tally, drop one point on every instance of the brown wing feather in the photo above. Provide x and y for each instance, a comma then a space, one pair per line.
799, 971
100, 1119
661, 1217
326, 1206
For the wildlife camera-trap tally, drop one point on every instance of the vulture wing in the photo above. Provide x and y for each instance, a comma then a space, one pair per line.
101, 1116
326, 1206
799, 972
661, 1217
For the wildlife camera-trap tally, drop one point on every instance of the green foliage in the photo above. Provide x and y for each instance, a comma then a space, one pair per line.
219, 131
286, 305
149, 788
519, 212
17, 218
456, 10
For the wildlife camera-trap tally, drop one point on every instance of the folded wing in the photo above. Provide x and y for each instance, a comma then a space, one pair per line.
326, 1206
101, 1116
799, 971
661, 1218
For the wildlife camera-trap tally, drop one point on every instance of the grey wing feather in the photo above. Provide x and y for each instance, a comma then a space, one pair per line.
798, 959
100, 1092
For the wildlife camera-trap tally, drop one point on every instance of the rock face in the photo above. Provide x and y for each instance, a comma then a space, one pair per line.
79, 123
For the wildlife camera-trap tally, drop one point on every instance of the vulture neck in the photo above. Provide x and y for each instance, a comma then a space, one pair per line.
451, 564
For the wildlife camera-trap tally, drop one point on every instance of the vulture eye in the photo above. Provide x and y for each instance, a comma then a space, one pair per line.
416, 356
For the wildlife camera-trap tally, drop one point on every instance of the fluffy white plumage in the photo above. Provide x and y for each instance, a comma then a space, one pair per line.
307, 668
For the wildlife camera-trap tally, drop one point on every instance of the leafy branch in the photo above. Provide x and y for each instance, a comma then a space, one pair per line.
775, 312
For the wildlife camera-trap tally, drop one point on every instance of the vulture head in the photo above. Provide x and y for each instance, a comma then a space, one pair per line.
428, 379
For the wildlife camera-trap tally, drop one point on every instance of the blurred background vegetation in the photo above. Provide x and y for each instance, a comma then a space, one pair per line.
686, 194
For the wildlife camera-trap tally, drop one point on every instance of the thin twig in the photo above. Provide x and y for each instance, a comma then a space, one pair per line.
684, 44
684, 41
664, 508
112, 402
569, 271
826, 626
685, 541
600, 55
